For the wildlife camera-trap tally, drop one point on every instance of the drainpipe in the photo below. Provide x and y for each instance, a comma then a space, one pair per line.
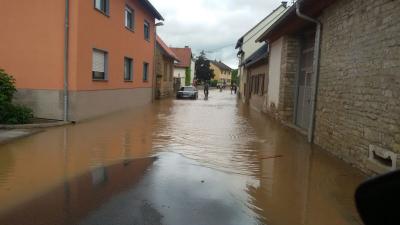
315, 78
66, 47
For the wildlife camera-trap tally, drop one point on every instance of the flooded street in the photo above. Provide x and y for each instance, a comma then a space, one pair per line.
175, 163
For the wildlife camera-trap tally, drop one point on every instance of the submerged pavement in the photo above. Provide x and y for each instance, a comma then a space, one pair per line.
175, 163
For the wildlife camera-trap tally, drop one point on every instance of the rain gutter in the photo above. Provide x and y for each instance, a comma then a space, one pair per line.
66, 60
316, 63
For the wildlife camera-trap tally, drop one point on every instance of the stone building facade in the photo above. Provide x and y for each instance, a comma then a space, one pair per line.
165, 59
357, 111
358, 108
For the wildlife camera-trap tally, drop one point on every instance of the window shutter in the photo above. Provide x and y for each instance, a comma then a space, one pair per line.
98, 61
107, 7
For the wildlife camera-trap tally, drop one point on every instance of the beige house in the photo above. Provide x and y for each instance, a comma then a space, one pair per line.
223, 73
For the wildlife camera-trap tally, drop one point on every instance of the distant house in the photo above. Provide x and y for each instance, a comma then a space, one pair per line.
185, 63
223, 73
256, 87
334, 75
165, 61
247, 46
97, 61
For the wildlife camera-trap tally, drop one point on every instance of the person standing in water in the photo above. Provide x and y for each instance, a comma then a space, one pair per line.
206, 87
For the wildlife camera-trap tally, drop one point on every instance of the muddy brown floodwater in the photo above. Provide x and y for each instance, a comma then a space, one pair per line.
174, 162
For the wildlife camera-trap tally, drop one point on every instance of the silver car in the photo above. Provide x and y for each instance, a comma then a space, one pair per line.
189, 92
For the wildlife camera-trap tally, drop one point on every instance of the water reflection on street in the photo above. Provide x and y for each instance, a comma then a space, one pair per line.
175, 163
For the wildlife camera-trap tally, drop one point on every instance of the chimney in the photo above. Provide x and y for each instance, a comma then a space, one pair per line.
284, 4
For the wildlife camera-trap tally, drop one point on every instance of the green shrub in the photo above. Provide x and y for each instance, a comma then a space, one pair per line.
9, 113
7, 86
15, 114
213, 83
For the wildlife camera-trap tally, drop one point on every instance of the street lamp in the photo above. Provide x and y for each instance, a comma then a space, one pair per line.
153, 94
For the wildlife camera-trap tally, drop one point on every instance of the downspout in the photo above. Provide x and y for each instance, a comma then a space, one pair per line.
315, 78
66, 60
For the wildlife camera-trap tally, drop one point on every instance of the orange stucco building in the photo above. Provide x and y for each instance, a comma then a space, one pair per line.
107, 49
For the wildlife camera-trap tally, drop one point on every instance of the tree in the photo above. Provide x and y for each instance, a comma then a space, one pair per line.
234, 77
187, 76
203, 69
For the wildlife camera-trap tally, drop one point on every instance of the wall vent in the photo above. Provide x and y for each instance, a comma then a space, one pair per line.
384, 159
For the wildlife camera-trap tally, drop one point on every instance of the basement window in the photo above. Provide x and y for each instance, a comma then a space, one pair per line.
383, 161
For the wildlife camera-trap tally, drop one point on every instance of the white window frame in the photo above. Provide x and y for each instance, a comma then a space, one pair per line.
132, 12
96, 68
146, 23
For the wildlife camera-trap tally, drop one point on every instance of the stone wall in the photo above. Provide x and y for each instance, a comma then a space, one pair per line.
289, 68
358, 104
164, 77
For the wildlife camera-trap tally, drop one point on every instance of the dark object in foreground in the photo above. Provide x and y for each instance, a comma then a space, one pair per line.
187, 92
377, 200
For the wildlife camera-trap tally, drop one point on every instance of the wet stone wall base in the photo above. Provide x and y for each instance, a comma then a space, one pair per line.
44, 103
359, 90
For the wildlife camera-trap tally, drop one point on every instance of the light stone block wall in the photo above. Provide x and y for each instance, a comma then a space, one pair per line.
46, 104
359, 89
83, 105
90, 104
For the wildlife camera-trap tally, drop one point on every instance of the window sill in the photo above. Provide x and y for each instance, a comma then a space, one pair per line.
102, 12
145, 81
130, 29
128, 81
99, 80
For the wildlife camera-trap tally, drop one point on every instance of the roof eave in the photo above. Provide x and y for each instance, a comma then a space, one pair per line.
152, 9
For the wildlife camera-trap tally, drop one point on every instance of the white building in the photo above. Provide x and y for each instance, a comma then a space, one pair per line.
185, 62
247, 44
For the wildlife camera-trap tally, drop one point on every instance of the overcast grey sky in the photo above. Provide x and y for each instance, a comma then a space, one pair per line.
212, 25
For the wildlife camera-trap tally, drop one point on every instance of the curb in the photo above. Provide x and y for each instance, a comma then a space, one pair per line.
32, 126
28, 134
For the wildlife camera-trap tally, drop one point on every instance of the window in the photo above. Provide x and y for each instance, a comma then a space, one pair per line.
146, 30
128, 69
129, 18
189, 89
102, 5
145, 71
99, 66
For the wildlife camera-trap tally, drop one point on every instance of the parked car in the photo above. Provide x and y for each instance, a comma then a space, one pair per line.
221, 85
187, 92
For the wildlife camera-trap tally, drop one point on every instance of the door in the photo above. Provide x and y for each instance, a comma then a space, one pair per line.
305, 83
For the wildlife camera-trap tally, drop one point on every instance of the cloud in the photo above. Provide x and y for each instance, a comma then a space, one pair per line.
211, 25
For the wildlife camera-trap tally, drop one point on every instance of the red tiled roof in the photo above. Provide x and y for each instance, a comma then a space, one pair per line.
184, 55
166, 49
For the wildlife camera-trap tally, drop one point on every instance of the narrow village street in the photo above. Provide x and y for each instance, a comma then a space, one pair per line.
176, 162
